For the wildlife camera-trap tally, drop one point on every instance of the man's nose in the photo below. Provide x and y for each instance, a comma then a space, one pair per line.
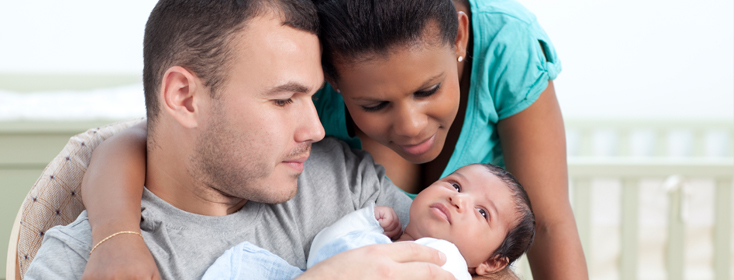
310, 128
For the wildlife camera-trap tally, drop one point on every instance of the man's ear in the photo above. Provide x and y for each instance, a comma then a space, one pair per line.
180, 96
493, 265
462, 36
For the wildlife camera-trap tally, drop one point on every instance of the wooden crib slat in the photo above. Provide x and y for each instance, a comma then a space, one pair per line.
630, 228
661, 143
624, 143
699, 143
582, 213
722, 234
676, 237
586, 140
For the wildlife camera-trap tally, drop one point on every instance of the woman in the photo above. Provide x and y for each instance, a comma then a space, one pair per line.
429, 87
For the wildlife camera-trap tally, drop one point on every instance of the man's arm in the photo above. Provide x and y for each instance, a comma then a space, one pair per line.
56, 260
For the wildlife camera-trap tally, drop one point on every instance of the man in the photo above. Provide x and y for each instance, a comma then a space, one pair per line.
230, 125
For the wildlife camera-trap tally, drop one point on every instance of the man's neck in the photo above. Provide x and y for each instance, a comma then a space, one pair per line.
167, 177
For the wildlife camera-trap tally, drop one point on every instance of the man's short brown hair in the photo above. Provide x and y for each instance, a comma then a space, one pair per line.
195, 34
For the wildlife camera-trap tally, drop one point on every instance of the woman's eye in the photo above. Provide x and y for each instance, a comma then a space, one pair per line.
482, 212
456, 186
428, 92
282, 102
376, 107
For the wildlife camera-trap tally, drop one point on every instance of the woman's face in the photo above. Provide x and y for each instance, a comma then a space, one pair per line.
407, 100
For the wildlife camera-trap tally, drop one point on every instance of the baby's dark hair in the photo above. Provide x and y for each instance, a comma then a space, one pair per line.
520, 237
356, 30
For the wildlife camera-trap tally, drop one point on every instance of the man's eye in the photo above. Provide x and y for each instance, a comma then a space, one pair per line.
456, 186
283, 102
483, 212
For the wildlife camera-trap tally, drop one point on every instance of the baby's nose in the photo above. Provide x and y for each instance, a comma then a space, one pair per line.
458, 202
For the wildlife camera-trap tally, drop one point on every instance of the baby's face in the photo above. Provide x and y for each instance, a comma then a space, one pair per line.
471, 208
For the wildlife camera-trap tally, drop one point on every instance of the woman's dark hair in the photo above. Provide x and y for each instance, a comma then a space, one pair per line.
521, 236
358, 30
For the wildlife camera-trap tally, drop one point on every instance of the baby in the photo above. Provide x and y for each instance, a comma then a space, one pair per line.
479, 216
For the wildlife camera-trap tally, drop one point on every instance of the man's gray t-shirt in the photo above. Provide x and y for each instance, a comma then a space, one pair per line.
336, 181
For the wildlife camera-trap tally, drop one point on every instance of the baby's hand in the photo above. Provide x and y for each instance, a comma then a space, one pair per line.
389, 221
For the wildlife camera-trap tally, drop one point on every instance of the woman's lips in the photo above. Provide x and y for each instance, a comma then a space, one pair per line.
419, 148
441, 211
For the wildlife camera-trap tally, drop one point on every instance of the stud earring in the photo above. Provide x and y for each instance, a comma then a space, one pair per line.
460, 59
338, 90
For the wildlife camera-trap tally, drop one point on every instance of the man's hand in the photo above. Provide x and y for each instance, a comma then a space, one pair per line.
389, 221
123, 257
400, 260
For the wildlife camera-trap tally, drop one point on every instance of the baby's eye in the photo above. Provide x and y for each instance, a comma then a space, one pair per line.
482, 212
456, 186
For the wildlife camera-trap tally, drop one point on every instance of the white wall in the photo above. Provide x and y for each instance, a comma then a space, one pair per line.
80, 36
642, 58
621, 58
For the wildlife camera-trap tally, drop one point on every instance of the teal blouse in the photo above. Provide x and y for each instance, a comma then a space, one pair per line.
512, 61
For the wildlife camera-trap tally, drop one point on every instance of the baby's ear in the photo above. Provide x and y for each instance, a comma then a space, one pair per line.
494, 264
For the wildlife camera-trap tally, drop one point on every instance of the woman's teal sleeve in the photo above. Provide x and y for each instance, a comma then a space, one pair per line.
515, 60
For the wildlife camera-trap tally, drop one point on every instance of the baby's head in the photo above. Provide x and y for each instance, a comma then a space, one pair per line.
483, 210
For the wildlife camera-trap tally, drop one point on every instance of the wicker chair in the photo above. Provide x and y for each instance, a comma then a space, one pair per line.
55, 198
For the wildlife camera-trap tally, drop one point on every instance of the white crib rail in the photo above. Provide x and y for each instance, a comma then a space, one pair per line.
581, 171
699, 160
583, 136
611, 149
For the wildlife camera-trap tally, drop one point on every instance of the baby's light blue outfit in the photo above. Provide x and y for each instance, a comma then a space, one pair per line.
512, 61
357, 229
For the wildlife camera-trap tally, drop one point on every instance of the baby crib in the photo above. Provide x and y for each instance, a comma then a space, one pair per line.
652, 199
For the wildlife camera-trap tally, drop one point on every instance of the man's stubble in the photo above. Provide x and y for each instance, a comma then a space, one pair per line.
236, 166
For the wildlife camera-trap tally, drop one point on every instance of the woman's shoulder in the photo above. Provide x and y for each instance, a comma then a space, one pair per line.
513, 57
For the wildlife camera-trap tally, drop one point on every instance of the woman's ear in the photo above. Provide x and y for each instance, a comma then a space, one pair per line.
493, 265
332, 82
180, 96
462, 36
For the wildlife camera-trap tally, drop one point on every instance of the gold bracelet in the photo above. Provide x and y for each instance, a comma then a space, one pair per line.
113, 235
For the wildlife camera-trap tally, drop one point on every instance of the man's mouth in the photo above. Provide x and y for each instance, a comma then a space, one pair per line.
296, 159
296, 163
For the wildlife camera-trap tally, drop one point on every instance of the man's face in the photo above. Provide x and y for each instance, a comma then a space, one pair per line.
258, 132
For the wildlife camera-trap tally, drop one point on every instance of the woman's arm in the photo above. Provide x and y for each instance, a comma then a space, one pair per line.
111, 191
534, 146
